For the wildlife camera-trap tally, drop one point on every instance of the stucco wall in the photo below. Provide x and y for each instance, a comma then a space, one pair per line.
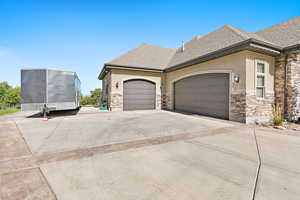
118, 77
251, 71
234, 64
259, 110
243, 102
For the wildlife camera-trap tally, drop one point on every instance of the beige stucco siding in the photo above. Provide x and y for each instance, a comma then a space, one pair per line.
118, 77
251, 71
243, 104
260, 110
233, 64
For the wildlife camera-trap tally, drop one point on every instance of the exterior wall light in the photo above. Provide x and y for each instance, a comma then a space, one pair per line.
117, 84
236, 78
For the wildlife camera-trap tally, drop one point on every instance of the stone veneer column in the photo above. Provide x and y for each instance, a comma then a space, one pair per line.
116, 101
293, 86
237, 110
279, 83
165, 101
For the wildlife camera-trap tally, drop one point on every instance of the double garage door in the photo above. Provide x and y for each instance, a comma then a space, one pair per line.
206, 94
138, 95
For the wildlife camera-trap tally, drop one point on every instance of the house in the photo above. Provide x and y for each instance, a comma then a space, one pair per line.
229, 73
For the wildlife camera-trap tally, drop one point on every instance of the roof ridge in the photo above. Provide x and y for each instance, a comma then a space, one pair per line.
208, 34
275, 25
237, 31
157, 46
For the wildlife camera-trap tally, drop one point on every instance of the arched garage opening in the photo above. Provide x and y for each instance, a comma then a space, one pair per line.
205, 94
138, 94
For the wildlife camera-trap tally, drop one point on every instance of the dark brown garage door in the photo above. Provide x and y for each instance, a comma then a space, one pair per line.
139, 95
205, 94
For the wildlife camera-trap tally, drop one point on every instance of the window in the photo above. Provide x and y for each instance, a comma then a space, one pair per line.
260, 79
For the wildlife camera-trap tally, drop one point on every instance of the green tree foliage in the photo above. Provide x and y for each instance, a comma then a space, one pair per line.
86, 100
93, 98
9, 96
96, 96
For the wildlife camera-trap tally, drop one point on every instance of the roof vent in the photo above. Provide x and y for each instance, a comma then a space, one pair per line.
182, 47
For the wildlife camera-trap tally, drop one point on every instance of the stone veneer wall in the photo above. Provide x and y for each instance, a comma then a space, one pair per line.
259, 110
237, 110
116, 101
117, 81
293, 86
279, 83
165, 101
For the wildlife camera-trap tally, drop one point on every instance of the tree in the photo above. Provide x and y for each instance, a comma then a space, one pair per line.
93, 98
12, 96
4, 87
86, 100
9, 96
96, 96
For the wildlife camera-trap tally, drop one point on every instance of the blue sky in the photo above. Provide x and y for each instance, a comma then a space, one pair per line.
82, 35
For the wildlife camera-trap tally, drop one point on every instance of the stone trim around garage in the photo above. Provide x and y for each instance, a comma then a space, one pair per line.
118, 77
237, 111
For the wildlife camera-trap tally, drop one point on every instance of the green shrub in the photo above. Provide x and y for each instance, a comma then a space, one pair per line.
277, 116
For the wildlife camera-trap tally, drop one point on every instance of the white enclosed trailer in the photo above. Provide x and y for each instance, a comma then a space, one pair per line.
49, 88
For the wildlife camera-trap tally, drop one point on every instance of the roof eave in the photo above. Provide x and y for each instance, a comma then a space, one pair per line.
102, 73
251, 44
108, 66
291, 48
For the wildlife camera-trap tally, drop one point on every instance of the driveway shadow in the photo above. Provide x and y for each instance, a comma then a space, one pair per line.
55, 113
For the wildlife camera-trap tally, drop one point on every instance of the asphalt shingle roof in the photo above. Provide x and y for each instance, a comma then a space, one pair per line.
145, 56
153, 57
284, 34
223, 37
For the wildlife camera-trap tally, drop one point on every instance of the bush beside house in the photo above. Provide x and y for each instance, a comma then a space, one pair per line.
10, 98
93, 99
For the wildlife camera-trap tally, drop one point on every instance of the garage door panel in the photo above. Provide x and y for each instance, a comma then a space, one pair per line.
139, 95
141, 92
139, 107
141, 101
205, 94
206, 100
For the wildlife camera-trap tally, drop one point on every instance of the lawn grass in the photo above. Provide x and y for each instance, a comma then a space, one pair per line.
8, 111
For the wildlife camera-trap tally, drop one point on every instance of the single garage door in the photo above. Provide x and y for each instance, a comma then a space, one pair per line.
138, 95
206, 94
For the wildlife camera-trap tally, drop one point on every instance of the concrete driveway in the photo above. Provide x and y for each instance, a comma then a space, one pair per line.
88, 130
184, 157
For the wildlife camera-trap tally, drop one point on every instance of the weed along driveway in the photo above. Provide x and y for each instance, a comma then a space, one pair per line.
145, 155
